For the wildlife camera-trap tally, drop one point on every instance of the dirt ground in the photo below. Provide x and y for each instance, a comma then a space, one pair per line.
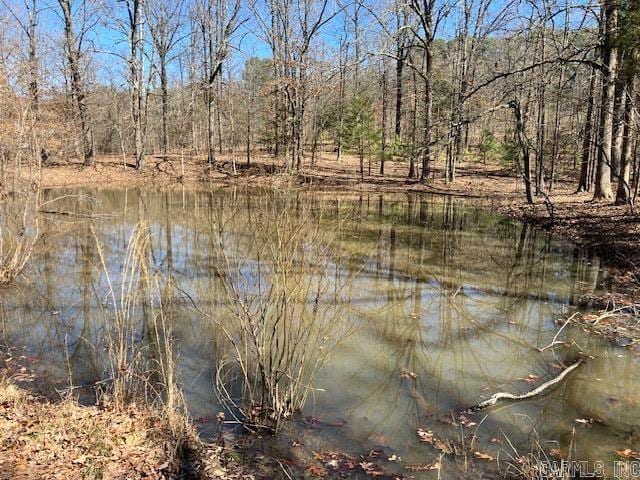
609, 231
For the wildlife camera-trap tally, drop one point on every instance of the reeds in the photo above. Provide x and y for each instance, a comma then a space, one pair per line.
140, 358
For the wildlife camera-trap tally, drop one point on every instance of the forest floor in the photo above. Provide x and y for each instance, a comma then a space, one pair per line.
46, 439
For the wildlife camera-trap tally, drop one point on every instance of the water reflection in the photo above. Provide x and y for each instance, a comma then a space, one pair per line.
450, 303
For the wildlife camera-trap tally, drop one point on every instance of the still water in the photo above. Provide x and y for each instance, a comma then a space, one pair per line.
447, 304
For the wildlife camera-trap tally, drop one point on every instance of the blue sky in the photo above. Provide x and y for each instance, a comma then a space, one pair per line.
108, 45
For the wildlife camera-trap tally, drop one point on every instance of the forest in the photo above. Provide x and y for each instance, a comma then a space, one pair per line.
257, 239
545, 87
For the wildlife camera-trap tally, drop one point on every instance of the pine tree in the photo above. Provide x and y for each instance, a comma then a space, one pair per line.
360, 135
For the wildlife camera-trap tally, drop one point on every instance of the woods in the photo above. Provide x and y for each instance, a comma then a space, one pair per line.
295, 233
551, 85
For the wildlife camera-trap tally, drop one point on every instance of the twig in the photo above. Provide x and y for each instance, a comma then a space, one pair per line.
536, 391
555, 338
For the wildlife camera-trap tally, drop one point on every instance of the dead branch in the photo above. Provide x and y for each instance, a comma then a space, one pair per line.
555, 340
535, 392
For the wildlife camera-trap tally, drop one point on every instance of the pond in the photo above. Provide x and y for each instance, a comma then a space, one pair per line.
430, 305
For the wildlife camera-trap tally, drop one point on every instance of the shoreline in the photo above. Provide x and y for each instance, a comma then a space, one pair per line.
610, 232
607, 231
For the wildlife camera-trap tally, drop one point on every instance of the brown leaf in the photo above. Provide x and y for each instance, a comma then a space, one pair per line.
443, 447
483, 456
424, 468
529, 378
317, 471
426, 436
627, 453
371, 469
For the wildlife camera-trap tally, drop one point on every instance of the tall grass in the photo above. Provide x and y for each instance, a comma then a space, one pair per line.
139, 337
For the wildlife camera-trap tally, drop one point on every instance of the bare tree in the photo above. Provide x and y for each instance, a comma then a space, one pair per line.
134, 23
218, 22
603, 190
165, 20
584, 184
73, 45
403, 47
425, 37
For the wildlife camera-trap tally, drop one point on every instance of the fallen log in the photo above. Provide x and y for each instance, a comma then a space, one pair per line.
535, 392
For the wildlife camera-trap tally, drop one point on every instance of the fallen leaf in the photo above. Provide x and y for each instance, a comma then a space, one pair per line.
426, 436
529, 378
408, 374
371, 469
375, 453
483, 456
424, 468
317, 471
443, 447
627, 453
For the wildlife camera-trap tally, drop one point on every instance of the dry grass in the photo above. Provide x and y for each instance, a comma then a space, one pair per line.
139, 427
139, 370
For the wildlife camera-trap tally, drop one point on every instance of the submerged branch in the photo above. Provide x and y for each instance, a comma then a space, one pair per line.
535, 392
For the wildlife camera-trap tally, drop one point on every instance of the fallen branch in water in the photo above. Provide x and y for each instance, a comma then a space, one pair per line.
536, 391
76, 214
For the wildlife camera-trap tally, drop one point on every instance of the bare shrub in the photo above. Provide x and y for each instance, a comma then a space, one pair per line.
287, 294
19, 230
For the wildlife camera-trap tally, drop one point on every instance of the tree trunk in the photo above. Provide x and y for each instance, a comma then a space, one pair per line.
603, 189
525, 148
428, 101
619, 112
541, 121
584, 184
164, 90
401, 56
399, 69
136, 73
341, 99
383, 126
624, 194
34, 91
77, 85
414, 128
